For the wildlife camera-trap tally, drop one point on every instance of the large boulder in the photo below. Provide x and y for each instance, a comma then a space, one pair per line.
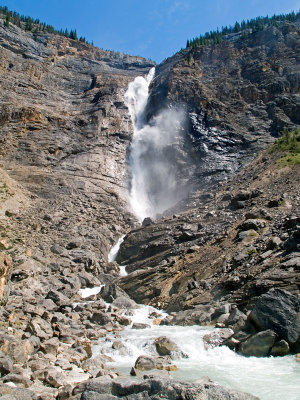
259, 345
165, 346
144, 363
279, 311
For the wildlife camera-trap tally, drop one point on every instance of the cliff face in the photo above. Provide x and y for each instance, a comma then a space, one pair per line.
65, 132
238, 95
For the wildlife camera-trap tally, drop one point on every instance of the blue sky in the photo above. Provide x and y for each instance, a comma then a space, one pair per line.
154, 29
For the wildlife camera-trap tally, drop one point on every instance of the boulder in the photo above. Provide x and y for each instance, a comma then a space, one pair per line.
165, 346
279, 311
255, 224
217, 337
144, 363
280, 348
100, 318
124, 302
58, 298
259, 345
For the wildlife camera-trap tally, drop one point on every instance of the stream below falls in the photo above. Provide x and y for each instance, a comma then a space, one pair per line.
269, 378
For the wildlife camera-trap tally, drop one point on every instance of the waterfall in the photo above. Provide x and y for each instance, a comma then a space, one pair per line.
155, 153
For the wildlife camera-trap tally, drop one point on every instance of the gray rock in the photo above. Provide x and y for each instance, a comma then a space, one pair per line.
57, 297
17, 393
6, 365
144, 363
279, 311
124, 302
40, 328
165, 346
280, 348
217, 337
160, 388
140, 325
259, 345
255, 224
100, 318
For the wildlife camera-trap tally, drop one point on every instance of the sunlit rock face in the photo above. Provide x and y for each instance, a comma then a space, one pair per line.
237, 95
65, 130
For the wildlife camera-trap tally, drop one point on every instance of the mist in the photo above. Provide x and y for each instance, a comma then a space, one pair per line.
156, 157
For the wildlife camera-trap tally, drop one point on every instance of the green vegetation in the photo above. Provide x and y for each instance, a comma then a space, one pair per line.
246, 27
289, 144
35, 25
251, 251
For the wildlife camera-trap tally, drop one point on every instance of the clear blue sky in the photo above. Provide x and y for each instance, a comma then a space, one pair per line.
154, 29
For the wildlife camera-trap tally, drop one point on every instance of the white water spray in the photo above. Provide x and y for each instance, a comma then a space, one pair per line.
156, 153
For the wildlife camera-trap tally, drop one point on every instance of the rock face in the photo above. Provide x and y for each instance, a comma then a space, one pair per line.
65, 132
237, 94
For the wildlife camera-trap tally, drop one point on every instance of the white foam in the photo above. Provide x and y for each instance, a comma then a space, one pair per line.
112, 255
123, 270
87, 292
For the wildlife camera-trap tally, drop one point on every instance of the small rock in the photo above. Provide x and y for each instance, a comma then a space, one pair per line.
139, 325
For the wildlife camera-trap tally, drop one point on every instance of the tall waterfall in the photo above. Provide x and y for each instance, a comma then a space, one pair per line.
155, 153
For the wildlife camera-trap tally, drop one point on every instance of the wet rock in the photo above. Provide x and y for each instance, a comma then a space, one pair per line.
100, 318
278, 310
166, 347
258, 345
280, 348
216, 338
140, 325
147, 221
144, 363
124, 302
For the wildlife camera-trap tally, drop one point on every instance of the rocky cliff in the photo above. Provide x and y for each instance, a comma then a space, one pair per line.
238, 96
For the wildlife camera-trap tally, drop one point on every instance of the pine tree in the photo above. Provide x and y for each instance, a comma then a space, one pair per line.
7, 20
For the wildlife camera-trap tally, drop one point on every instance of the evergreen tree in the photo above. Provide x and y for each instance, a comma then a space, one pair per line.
7, 20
